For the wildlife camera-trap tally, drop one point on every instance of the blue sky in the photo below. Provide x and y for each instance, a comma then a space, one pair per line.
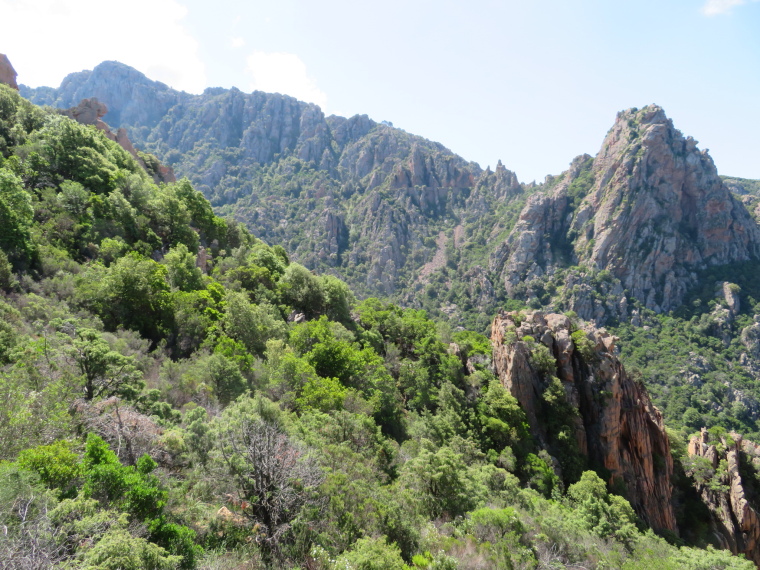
531, 83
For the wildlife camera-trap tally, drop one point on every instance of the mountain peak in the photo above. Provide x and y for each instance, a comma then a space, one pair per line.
650, 208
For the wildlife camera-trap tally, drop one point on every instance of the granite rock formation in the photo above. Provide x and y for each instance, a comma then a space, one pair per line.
7, 73
617, 427
735, 522
650, 208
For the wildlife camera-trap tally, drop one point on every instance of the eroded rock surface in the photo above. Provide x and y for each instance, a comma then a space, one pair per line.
617, 426
650, 208
7, 73
735, 522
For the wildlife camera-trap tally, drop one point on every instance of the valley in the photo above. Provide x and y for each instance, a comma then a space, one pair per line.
239, 333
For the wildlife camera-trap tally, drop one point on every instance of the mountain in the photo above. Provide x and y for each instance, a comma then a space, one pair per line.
179, 394
362, 199
650, 209
403, 217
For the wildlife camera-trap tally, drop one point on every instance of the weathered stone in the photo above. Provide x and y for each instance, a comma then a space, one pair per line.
734, 520
618, 426
656, 212
7, 73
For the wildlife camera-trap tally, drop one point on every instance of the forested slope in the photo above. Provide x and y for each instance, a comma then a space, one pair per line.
179, 394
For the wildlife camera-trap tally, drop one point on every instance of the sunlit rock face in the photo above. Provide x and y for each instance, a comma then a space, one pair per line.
650, 208
734, 521
616, 426
7, 73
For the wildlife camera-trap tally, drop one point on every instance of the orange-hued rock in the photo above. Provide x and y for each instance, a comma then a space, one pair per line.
7, 73
617, 426
734, 520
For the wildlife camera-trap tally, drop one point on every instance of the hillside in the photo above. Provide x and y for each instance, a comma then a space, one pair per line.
402, 217
180, 394
352, 197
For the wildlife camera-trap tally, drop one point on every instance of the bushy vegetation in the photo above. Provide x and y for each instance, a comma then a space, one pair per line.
698, 360
178, 394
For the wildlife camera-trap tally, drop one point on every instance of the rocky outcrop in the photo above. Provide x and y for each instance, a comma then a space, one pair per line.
90, 112
617, 427
7, 73
650, 208
735, 522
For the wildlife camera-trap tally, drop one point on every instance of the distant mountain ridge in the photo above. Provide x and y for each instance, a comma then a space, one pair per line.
362, 199
400, 216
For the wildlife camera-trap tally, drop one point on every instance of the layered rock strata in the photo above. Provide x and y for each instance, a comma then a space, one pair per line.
735, 522
616, 428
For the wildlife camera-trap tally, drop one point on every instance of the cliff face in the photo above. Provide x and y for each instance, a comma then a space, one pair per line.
616, 427
7, 73
650, 208
735, 522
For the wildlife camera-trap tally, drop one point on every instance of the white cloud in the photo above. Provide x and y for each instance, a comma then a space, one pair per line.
237, 42
48, 39
717, 7
284, 73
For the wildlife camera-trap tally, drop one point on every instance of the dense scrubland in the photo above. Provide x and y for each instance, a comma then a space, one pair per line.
176, 393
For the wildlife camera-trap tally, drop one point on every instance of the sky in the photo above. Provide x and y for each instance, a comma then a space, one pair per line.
531, 82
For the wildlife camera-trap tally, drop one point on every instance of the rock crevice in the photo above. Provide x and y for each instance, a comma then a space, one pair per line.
735, 523
617, 427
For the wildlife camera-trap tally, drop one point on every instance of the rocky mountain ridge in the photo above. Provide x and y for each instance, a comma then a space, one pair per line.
403, 217
650, 209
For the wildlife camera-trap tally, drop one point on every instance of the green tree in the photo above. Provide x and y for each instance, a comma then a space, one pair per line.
442, 482
226, 378
302, 290
56, 464
182, 273
119, 550
132, 293
253, 325
373, 554
106, 372
15, 219
84, 154
604, 514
